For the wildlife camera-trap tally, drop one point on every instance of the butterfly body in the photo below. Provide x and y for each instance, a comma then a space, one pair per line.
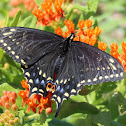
54, 64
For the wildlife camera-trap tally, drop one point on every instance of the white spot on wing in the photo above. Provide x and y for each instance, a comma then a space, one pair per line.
66, 94
5, 44
49, 78
73, 91
61, 81
114, 68
83, 81
34, 89
40, 72
111, 75
111, 60
59, 99
100, 78
7, 33
106, 77
22, 61
9, 48
40, 90
28, 74
17, 57
13, 40
12, 29
31, 81
44, 75
1, 41
65, 81
117, 75
57, 81
12, 52
89, 80
121, 74
78, 85
98, 68
95, 79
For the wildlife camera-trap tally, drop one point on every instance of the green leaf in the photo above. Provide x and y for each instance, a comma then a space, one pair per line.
25, 21
7, 87
7, 21
38, 2
21, 116
77, 119
72, 107
104, 118
33, 22
56, 122
16, 18
1, 55
93, 5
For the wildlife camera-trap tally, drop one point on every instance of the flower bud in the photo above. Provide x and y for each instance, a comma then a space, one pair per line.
48, 110
14, 107
7, 105
12, 116
7, 112
12, 100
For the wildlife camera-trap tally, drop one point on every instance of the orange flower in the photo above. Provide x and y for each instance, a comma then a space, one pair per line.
114, 50
32, 105
120, 57
24, 84
70, 25
8, 99
45, 102
35, 100
81, 24
50, 11
24, 95
87, 35
102, 46
59, 31
88, 23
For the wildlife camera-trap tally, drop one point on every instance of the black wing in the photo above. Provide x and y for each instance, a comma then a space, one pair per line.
85, 65
28, 46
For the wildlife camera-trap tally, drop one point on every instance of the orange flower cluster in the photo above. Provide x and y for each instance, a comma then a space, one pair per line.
8, 119
50, 11
120, 57
85, 33
35, 101
102, 46
8, 100
28, 4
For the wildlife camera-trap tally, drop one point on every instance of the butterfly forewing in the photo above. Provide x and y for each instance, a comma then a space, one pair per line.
26, 45
95, 66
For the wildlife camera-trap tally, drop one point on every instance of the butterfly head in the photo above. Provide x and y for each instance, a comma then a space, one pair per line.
50, 86
71, 36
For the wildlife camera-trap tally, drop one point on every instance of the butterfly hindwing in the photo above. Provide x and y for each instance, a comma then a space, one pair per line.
64, 91
25, 45
36, 82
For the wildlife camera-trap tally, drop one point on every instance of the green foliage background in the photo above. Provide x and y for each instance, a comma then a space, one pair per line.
99, 105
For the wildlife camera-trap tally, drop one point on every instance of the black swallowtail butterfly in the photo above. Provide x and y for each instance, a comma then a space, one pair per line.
43, 54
